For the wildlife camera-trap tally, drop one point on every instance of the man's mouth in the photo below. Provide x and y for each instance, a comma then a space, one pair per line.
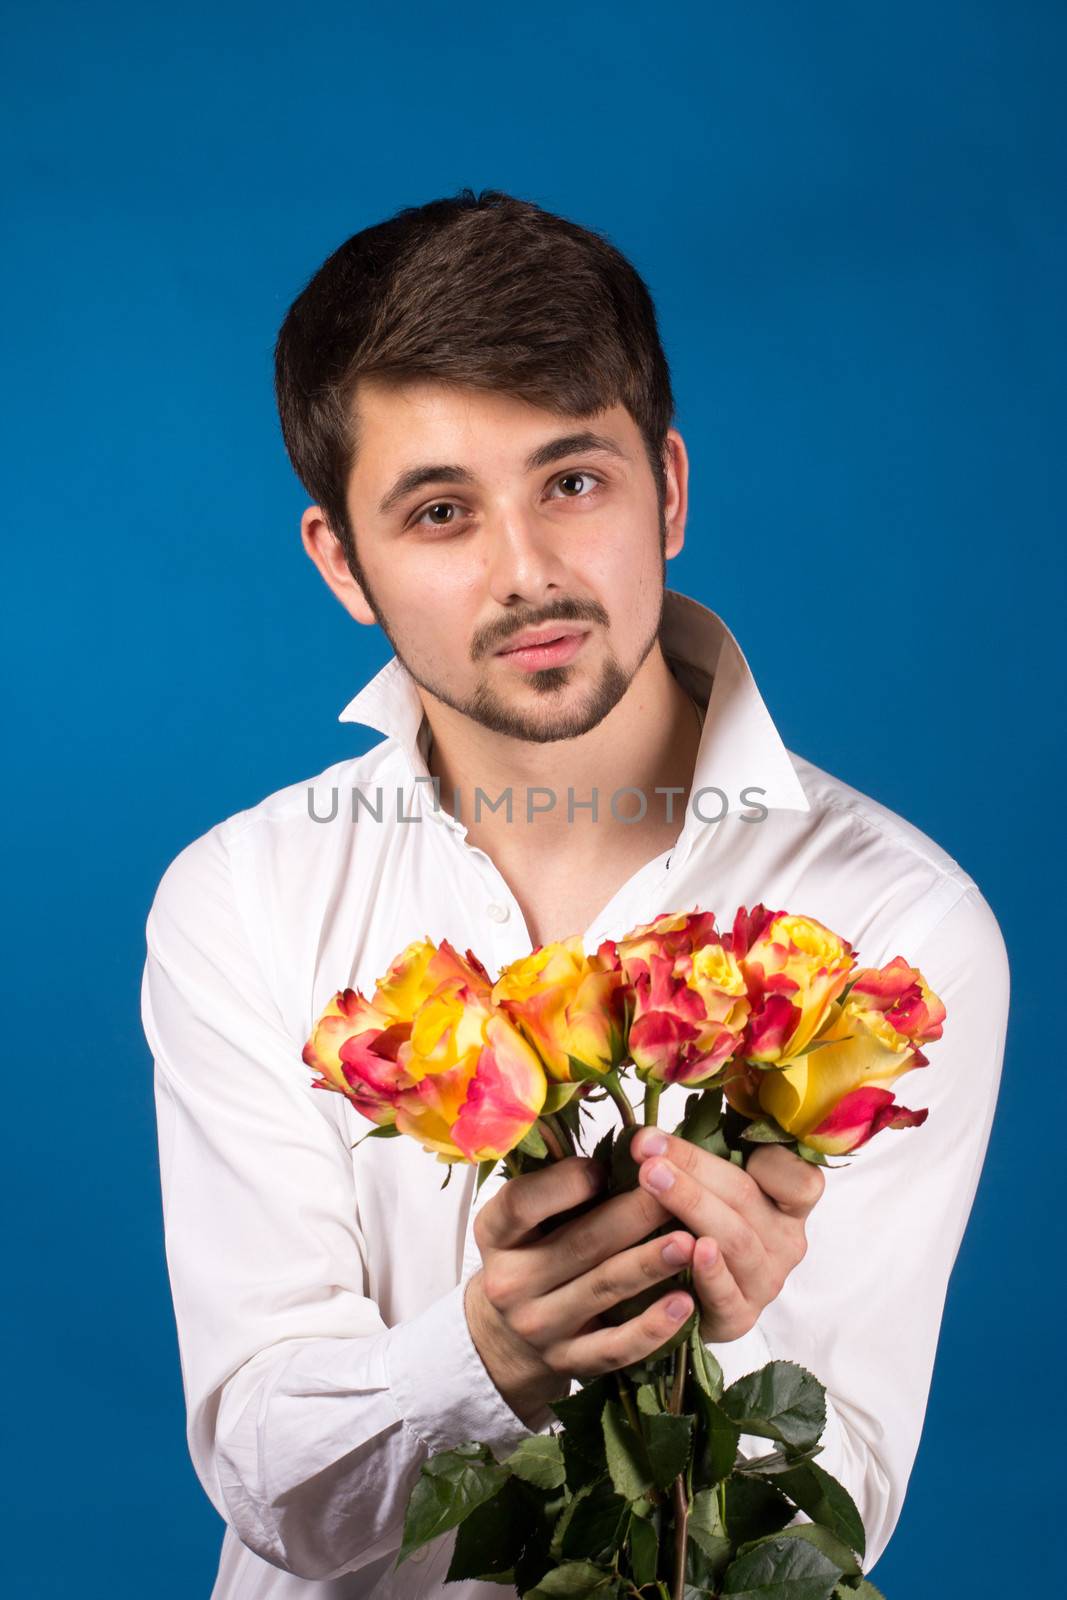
549, 649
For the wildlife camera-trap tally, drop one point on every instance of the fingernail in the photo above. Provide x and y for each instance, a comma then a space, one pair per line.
653, 1143
674, 1254
658, 1176
678, 1307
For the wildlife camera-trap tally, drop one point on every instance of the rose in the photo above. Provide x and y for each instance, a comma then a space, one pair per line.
903, 997
569, 1006
427, 1055
355, 1042
689, 996
477, 1086
795, 968
354, 1046
837, 1094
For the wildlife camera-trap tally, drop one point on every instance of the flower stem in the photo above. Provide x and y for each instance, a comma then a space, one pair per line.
681, 1498
618, 1094
653, 1090
550, 1134
565, 1136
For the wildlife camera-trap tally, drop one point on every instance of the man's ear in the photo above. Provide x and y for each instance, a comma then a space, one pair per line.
676, 500
327, 552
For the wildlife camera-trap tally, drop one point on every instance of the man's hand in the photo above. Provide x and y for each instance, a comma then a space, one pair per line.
748, 1223
533, 1306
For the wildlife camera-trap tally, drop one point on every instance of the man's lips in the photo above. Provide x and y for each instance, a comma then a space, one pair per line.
553, 650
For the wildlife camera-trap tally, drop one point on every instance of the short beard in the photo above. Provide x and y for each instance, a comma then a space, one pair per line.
487, 709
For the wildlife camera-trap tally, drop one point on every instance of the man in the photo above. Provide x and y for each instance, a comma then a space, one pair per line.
475, 396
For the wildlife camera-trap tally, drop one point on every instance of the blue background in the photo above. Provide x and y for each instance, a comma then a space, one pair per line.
852, 219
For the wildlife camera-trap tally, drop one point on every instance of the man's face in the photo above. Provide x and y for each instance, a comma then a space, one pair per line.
475, 521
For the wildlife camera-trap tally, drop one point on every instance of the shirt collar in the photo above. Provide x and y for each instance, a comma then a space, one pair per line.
740, 747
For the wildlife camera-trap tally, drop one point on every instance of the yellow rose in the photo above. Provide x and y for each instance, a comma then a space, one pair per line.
567, 1006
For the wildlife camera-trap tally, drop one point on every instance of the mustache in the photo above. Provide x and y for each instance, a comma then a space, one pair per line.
564, 611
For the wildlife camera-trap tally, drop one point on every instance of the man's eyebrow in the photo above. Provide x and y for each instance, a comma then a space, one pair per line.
553, 450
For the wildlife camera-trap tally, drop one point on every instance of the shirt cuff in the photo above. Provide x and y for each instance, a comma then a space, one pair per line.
441, 1385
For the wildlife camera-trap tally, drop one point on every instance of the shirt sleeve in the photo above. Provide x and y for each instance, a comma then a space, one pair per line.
863, 1309
307, 1417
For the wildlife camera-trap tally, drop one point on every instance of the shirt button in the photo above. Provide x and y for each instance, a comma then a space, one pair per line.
499, 913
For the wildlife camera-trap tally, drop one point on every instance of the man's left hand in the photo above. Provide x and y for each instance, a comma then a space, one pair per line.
748, 1222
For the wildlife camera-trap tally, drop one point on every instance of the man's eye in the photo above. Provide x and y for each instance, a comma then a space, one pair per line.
447, 507
438, 505
577, 477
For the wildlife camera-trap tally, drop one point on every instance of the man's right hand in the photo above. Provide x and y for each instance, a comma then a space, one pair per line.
533, 1306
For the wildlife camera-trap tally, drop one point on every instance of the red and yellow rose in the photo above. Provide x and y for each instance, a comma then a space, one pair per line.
430, 1055
690, 1003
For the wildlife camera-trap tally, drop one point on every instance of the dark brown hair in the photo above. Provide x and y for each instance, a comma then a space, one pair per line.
488, 291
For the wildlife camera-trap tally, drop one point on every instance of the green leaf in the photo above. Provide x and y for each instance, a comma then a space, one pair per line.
776, 1461
824, 1500
644, 1550
383, 1131
702, 1123
449, 1487
705, 1526
704, 1366
543, 1510
558, 1096
754, 1508
816, 1157
539, 1461
581, 1073
485, 1170
781, 1401
782, 1569
602, 1148
491, 1538
667, 1442
631, 1473
574, 1579
766, 1131
864, 1590
533, 1144
592, 1525
833, 1548
580, 1414
715, 1449
623, 1166
580, 1469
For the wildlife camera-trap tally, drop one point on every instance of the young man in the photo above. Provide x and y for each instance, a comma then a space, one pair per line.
475, 397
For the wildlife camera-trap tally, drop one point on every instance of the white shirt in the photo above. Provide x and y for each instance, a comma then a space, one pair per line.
318, 1289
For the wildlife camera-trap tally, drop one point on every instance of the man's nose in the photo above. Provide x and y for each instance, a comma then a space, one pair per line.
524, 556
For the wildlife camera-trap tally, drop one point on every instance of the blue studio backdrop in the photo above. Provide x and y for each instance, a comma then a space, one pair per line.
852, 219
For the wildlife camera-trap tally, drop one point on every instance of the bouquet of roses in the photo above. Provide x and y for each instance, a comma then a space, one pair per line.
642, 1491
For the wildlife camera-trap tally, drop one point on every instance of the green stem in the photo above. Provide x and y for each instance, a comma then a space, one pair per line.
550, 1134
627, 1401
618, 1094
653, 1090
681, 1498
562, 1130
513, 1165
